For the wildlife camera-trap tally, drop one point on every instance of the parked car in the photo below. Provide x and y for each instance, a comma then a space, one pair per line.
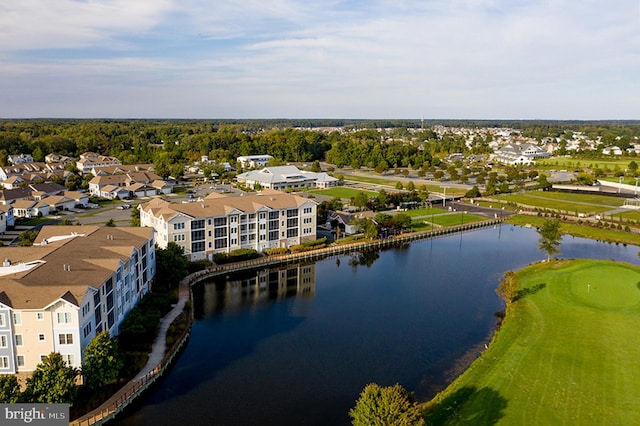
123, 206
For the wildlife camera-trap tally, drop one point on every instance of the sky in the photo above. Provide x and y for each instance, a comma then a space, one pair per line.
377, 59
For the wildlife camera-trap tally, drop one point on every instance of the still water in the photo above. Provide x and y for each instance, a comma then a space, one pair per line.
295, 346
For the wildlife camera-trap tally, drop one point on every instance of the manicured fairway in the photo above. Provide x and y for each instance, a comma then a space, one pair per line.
567, 354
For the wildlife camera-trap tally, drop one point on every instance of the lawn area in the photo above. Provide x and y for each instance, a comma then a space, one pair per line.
392, 183
565, 355
342, 192
601, 234
575, 163
580, 203
424, 212
454, 219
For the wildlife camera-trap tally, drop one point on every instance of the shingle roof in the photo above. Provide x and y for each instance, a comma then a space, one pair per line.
92, 254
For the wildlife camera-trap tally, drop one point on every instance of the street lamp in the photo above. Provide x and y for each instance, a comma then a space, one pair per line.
444, 199
619, 184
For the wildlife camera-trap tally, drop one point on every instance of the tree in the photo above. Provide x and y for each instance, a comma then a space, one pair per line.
171, 265
110, 222
52, 382
473, 192
399, 185
550, 236
9, 389
102, 361
411, 186
508, 287
135, 217
360, 200
27, 238
386, 406
315, 167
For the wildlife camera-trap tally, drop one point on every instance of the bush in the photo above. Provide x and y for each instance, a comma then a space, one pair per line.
276, 251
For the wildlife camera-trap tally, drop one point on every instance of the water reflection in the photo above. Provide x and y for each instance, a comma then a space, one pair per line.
254, 288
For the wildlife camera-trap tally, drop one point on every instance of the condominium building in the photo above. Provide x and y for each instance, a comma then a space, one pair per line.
221, 223
75, 282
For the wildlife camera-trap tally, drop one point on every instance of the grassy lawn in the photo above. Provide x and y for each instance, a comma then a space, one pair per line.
601, 234
581, 203
392, 183
574, 163
424, 212
342, 192
454, 219
565, 355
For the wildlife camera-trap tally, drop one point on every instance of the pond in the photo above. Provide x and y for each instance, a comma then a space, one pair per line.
296, 345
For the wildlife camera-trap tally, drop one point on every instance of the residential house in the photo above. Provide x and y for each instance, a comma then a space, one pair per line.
30, 208
7, 211
612, 150
20, 159
75, 282
90, 160
222, 223
253, 161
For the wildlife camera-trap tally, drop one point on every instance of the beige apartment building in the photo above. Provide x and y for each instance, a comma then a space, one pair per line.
222, 223
75, 282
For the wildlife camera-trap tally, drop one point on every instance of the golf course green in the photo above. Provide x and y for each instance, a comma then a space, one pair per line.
567, 353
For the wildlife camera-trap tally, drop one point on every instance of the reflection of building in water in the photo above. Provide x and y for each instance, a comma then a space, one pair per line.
262, 286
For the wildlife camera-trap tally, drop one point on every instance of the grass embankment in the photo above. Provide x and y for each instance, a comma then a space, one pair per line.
342, 192
565, 354
562, 201
572, 164
577, 230
393, 182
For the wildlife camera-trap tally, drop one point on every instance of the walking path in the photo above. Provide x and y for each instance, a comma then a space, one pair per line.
156, 357
159, 344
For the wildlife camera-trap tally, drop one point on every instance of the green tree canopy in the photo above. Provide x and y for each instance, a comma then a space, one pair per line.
9, 389
508, 288
171, 265
386, 406
102, 362
550, 237
52, 382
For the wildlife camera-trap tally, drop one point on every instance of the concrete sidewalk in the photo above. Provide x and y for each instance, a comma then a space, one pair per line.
158, 349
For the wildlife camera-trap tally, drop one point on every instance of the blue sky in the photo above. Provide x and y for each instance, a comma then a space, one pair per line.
476, 59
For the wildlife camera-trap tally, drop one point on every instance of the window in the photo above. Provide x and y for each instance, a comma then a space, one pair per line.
197, 247
178, 226
64, 317
87, 330
3, 341
197, 224
85, 309
220, 221
2, 322
18, 338
66, 339
20, 360
42, 357
17, 318
197, 235
4, 362
68, 358
41, 337
39, 316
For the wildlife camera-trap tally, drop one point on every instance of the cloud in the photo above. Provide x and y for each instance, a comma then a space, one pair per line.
322, 58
